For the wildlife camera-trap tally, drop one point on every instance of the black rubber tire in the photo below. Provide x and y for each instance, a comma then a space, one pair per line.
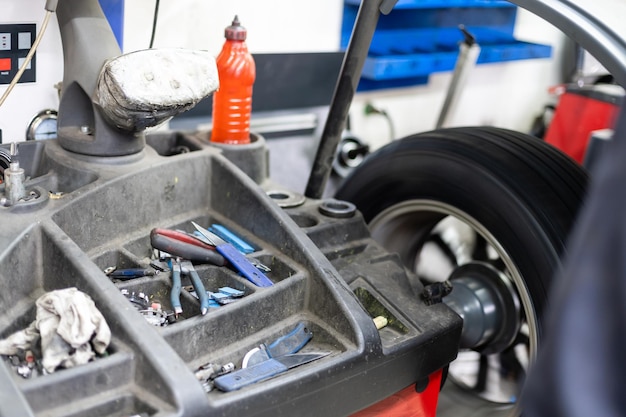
521, 189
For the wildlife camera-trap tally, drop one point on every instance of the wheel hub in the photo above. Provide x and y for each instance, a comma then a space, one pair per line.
485, 299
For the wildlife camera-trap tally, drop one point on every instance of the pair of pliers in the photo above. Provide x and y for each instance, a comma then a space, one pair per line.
184, 246
178, 268
195, 248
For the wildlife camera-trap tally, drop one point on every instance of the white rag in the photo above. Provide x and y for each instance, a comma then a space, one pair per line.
70, 327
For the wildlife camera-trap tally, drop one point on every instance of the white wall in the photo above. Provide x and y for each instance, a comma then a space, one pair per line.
273, 25
507, 95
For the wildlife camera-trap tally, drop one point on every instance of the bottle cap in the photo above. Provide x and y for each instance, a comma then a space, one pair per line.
235, 31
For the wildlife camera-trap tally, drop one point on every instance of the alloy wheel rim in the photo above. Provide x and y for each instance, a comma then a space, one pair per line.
405, 227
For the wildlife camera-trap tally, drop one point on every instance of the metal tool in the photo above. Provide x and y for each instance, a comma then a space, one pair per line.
185, 238
264, 370
176, 287
259, 265
236, 258
230, 237
185, 267
239, 246
232, 292
209, 371
140, 300
129, 273
222, 299
289, 343
255, 355
191, 252
197, 239
157, 318
159, 265
224, 296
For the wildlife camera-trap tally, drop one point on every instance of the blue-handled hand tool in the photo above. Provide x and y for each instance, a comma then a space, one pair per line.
176, 286
292, 342
289, 343
185, 267
131, 273
188, 268
264, 370
236, 258
241, 245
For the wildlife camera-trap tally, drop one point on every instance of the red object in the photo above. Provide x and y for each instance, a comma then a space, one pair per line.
5, 64
580, 111
185, 238
232, 102
408, 402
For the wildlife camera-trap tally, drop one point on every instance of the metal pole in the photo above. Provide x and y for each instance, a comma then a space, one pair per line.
468, 54
349, 75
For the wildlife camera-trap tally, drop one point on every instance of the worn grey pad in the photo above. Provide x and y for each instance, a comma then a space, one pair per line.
145, 88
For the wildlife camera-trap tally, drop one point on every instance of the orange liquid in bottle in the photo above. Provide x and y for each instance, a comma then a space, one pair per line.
232, 103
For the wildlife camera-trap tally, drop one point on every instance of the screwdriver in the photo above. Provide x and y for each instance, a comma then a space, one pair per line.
236, 258
131, 273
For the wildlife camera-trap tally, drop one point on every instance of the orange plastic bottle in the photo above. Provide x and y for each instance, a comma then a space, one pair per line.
232, 103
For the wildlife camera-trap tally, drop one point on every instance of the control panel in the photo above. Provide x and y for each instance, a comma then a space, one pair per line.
15, 42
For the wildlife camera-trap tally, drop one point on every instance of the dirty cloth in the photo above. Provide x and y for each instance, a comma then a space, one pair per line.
72, 330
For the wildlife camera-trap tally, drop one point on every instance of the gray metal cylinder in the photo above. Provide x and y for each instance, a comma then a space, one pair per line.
476, 304
488, 304
14, 179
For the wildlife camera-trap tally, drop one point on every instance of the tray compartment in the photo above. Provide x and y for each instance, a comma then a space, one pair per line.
158, 289
224, 333
43, 260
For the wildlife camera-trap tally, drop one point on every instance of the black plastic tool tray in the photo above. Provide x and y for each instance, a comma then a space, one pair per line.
104, 218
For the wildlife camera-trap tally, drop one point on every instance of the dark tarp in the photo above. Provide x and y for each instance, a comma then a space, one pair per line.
581, 365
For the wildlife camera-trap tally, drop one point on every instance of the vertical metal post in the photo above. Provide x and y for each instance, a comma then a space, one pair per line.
349, 75
466, 61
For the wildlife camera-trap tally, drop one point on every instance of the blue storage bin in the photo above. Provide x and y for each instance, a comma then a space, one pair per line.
420, 37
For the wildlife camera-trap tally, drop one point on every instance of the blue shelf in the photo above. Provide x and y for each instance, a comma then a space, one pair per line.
417, 4
421, 37
114, 12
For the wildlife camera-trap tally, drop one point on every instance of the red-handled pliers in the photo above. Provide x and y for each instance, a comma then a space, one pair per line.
185, 246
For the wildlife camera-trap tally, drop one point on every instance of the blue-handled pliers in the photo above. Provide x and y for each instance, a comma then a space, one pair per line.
174, 265
185, 267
